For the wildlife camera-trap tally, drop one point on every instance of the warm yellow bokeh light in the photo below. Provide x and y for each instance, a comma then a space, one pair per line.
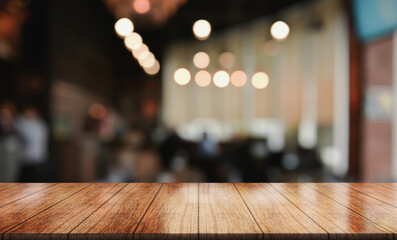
144, 55
148, 61
124, 27
182, 76
141, 6
226, 60
221, 79
260, 80
279, 30
203, 78
201, 60
143, 49
133, 41
238, 78
153, 70
202, 29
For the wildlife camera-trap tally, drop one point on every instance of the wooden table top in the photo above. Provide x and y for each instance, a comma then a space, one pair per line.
198, 211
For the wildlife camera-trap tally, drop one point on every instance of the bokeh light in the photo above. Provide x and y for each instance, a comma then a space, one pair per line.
202, 78
260, 80
202, 29
238, 78
153, 70
142, 49
221, 79
97, 111
133, 41
226, 60
201, 60
148, 61
279, 30
123, 27
182, 76
141, 6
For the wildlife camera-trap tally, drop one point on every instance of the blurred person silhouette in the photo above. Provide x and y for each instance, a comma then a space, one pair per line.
10, 144
171, 144
34, 134
208, 148
207, 151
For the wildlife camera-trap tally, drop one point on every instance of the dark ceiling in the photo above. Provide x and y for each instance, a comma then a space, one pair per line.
221, 14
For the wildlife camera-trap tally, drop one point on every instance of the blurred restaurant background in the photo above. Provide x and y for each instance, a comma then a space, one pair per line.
198, 90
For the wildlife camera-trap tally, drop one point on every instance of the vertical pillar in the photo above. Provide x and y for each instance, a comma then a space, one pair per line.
394, 120
307, 135
341, 96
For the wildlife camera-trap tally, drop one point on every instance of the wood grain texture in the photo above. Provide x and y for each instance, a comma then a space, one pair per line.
18, 191
172, 215
277, 217
382, 193
224, 215
57, 221
392, 186
198, 211
338, 220
373, 209
7, 185
118, 217
25, 208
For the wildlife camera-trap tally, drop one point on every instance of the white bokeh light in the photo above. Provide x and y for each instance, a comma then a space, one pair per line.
154, 69
202, 29
221, 79
123, 27
182, 76
141, 52
260, 80
133, 41
279, 30
148, 61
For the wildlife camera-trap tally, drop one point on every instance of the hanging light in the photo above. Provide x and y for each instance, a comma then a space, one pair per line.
182, 76
123, 27
221, 79
202, 29
260, 80
133, 41
279, 30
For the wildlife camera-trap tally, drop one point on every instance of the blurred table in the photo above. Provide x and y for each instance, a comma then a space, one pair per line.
198, 211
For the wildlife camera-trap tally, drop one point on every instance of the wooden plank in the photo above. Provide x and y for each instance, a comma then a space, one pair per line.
25, 208
224, 215
59, 220
338, 220
172, 215
377, 211
277, 217
119, 217
7, 185
375, 190
392, 186
12, 194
